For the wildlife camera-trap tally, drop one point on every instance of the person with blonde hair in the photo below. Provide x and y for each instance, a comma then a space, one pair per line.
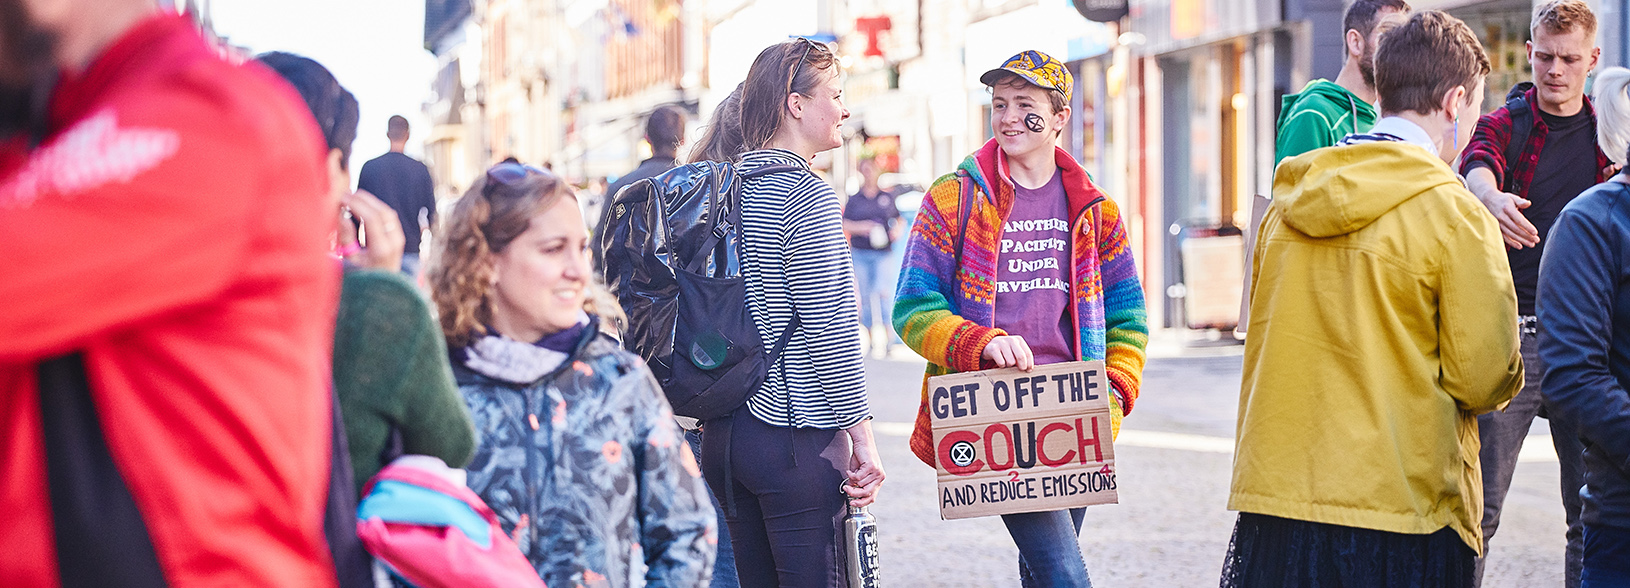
1382, 322
1584, 303
577, 451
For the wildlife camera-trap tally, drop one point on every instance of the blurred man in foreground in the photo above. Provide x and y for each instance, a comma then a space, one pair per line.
167, 311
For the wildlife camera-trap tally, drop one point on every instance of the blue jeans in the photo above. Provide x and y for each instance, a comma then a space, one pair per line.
1606, 558
724, 566
1049, 548
874, 293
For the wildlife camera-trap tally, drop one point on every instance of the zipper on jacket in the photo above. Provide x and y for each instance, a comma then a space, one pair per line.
531, 512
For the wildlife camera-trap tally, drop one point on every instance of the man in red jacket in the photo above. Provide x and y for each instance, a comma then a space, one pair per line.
166, 307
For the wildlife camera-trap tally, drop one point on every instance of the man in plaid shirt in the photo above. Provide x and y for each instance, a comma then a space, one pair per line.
1525, 183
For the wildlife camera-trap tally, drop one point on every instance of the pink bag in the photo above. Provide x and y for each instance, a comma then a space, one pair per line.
436, 533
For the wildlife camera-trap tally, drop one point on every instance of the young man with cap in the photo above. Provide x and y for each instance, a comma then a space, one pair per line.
1325, 111
1045, 276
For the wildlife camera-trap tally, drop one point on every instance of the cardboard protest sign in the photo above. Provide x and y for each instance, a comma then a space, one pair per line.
1008, 441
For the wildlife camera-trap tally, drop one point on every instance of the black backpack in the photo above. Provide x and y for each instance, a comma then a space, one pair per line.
670, 250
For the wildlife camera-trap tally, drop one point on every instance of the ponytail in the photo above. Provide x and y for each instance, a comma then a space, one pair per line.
723, 140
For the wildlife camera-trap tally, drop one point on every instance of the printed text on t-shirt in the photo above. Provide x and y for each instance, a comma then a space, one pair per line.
1005, 287
1011, 246
1045, 224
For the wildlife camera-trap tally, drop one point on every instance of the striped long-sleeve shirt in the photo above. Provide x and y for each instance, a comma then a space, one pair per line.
796, 261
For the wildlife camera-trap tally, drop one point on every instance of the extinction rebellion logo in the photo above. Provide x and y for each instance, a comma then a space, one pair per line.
962, 453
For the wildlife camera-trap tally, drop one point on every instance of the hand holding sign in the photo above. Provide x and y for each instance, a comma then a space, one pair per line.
1010, 351
1010, 440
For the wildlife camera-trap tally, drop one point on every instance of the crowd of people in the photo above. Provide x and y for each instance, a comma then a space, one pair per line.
209, 400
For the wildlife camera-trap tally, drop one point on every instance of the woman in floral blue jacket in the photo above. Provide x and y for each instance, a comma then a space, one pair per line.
577, 450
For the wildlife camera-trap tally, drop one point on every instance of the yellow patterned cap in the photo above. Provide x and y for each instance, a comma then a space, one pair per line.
1037, 68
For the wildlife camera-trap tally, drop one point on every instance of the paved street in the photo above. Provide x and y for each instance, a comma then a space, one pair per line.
1171, 528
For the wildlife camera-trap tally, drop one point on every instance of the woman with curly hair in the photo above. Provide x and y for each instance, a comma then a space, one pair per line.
577, 450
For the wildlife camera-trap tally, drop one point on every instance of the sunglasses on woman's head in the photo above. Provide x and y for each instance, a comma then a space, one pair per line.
808, 45
508, 174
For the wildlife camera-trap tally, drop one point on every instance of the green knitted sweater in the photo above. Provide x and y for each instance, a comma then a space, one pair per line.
390, 369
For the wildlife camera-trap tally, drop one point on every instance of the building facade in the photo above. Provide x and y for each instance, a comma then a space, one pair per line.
455, 148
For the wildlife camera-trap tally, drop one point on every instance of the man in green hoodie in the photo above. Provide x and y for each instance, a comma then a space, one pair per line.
1325, 111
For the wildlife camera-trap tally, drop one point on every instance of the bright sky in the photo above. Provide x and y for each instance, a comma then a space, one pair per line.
374, 47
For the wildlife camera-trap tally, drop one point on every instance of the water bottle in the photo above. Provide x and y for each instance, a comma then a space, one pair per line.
860, 544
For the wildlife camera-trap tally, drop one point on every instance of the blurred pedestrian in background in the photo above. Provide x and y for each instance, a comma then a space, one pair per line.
1041, 273
169, 302
665, 132
404, 184
1383, 321
872, 223
576, 448
1325, 111
1584, 305
1527, 160
781, 458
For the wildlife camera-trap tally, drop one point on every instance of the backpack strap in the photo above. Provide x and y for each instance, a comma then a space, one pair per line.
963, 206
723, 425
732, 216
718, 233
1522, 125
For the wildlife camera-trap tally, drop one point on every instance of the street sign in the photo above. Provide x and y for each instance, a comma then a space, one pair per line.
1008, 441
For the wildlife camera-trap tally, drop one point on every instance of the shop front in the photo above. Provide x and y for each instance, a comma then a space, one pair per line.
1213, 73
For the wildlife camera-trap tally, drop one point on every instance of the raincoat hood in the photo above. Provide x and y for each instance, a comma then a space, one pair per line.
1337, 191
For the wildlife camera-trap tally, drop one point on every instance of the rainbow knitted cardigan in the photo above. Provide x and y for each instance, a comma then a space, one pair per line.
946, 314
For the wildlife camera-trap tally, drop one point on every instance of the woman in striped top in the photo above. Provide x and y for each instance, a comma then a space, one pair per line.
783, 456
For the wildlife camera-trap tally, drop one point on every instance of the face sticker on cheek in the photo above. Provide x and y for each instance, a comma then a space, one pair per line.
1034, 122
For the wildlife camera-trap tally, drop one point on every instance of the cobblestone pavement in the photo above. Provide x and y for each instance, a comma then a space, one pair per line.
1171, 528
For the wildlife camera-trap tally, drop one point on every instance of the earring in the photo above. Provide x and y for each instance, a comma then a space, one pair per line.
1457, 131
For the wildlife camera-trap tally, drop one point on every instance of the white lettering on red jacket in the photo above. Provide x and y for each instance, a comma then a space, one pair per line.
93, 153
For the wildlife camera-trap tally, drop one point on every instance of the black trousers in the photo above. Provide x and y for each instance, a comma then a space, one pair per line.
788, 508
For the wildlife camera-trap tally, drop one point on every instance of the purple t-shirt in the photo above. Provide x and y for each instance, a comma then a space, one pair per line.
1033, 275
